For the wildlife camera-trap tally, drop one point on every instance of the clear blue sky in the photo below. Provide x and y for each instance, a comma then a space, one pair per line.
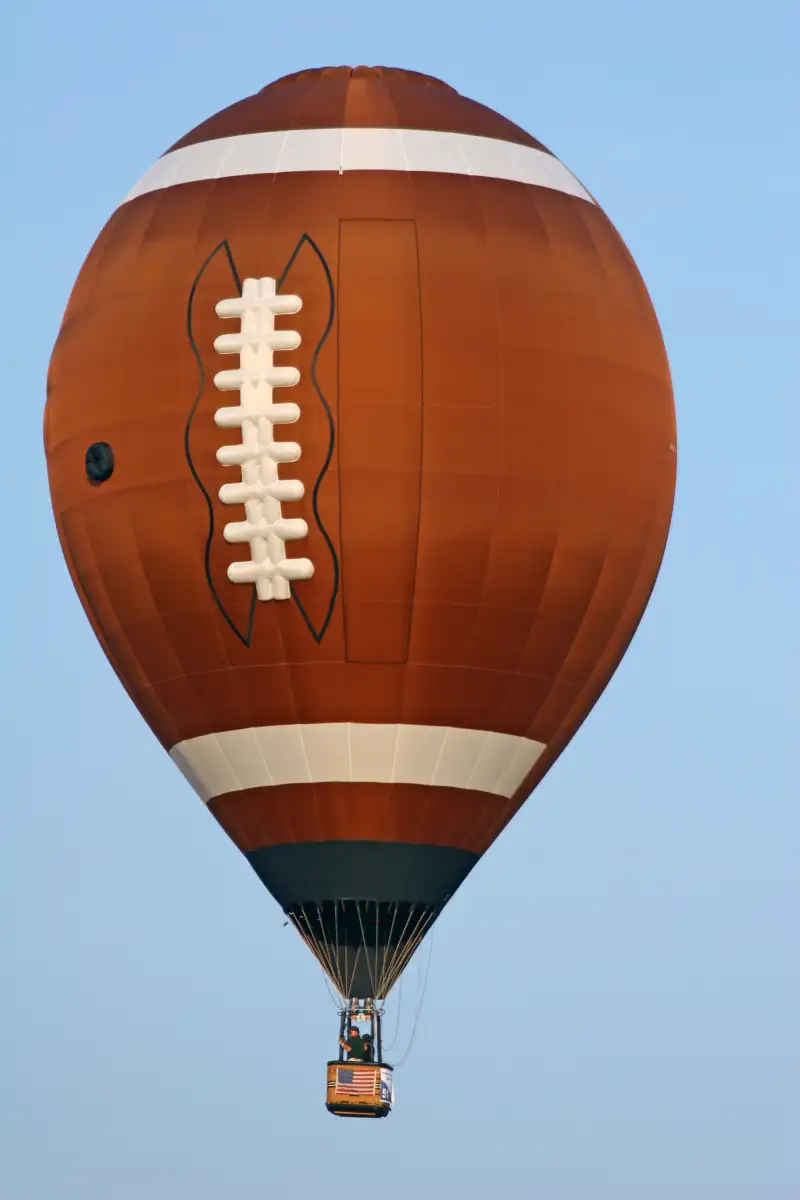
161, 1034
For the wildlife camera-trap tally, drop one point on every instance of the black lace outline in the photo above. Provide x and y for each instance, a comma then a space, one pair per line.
246, 638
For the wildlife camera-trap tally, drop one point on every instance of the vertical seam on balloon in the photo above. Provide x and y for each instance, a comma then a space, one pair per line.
448, 729
280, 153
147, 591
305, 757
231, 146
393, 769
78, 575
235, 275
598, 576
516, 670
475, 765
417, 826
621, 621
421, 441
339, 400
403, 148
551, 753
498, 327
394, 800
307, 239
223, 756
473, 831
585, 614
490, 256
231, 764
516, 666
135, 688
107, 247
263, 758
465, 160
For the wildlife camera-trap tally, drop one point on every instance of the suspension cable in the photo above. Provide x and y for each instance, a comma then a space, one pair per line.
366, 952
419, 1005
384, 986
397, 1018
336, 1000
402, 959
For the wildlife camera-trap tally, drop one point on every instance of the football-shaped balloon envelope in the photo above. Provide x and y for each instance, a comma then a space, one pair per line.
392, 475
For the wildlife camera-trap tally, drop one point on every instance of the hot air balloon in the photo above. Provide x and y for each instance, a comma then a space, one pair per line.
361, 447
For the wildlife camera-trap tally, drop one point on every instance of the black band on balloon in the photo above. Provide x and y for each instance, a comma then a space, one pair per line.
317, 872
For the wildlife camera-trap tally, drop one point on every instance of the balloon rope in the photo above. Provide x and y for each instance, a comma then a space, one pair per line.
366, 951
323, 955
332, 963
336, 997
419, 1005
352, 974
308, 941
420, 929
307, 934
377, 952
384, 986
387, 955
397, 1018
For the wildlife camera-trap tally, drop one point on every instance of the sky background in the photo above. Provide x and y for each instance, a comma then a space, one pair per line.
161, 1033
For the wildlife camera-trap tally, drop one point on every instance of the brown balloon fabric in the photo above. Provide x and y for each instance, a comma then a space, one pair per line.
487, 454
359, 98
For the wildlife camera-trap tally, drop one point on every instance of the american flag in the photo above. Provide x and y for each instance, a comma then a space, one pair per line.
355, 1081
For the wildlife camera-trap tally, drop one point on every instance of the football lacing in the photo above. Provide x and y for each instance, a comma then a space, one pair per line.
260, 490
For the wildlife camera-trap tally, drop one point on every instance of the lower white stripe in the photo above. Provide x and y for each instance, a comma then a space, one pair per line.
435, 755
359, 150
